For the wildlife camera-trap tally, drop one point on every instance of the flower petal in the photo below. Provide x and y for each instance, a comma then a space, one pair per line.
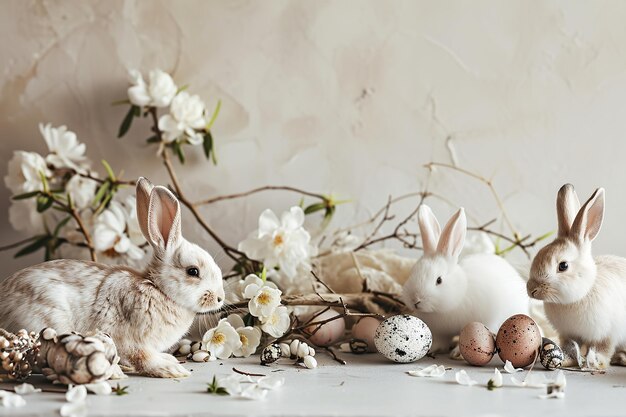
76, 394
464, 379
432, 371
508, 367
268, 222
25, 389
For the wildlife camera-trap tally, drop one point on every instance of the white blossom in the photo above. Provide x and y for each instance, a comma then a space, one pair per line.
25, 389
222, 340
65, 149
11, 400
186, 116
476, 243
280, 243
100, 388
264, 302
24, 172
159, 91
110, 234
252, 284
249, 336
82, 191
496, 380
25, 218
277, 323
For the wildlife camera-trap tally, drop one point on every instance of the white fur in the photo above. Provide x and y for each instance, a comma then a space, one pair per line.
145, 312
587, 302
480, 287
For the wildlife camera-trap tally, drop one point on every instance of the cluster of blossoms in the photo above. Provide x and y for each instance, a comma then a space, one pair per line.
65, 173
187, 120
284, 246
231, 336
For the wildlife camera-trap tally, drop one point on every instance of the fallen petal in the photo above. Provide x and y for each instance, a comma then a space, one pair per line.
74, 410
496, 381
11, 400
99, 388
76, 394
432, 371
254, 392
271, 382
25, 389
464, 379
559, 395
508, 366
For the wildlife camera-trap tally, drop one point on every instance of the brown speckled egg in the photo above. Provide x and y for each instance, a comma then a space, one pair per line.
519, 340
477, 344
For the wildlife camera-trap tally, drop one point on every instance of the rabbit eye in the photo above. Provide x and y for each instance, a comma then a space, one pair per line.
439, 280
193, 271
563, 266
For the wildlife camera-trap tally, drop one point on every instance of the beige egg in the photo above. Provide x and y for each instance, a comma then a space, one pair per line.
477, 344
364, 329
329, 332
519, 340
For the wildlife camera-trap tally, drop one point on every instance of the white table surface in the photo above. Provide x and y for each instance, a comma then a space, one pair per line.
368, 386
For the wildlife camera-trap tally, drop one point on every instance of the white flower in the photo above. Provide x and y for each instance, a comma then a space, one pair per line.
432, 371
24, 172
264, 302
280, 243
271, 382
76, 394
25, 389
252, 284
65, 149
110, 233
508, 366
100, 388
222, 340
496, 381
478, 242
186, 116
74, 409
10, 400
25, 218
158, 93
82, 190
464, 379
249, 336
277, 323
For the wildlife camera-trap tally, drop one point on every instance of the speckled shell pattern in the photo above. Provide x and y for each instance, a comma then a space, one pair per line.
519, 340
403, 338
551, 355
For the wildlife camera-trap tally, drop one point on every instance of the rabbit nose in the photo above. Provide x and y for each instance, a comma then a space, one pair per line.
220, 298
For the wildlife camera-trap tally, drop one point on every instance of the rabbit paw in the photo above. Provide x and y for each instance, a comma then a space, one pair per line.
595, 360
166, 369
619, 359
169, 358
117, 373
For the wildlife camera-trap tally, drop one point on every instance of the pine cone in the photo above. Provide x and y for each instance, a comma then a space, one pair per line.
18, 354
76, 359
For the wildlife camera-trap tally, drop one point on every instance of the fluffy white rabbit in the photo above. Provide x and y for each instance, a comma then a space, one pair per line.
448, 293
145, 312
584, 297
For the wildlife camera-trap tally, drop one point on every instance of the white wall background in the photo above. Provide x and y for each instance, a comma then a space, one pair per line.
350, 97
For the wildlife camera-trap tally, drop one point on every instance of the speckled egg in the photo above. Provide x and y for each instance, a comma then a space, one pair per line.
550, 355
518, 340
403, 338
271, 353
477, 344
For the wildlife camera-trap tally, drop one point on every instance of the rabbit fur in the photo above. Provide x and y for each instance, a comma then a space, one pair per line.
145, 312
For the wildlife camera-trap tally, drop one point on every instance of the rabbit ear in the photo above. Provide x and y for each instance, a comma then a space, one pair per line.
453, 235
144, 188
164, 228
567, 205
589, 219
429, 229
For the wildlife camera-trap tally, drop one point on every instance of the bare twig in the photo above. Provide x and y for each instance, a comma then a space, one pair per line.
261, 189
246, 373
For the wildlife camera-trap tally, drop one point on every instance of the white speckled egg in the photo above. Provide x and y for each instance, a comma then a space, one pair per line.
550, 355
403, 338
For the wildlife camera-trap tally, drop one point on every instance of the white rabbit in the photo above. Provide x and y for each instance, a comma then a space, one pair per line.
145, 312
448, 293
584, 297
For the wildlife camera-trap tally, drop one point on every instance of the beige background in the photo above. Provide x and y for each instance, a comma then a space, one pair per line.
350, 97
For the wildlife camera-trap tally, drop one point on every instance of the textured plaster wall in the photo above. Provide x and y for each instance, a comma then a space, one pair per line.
350, 97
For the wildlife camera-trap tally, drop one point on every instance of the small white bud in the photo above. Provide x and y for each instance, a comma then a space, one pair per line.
201, 356
196, 347
293, 347
311, 351
184, 342
285, 350
303, 350
184, 349
345, 347
310, 362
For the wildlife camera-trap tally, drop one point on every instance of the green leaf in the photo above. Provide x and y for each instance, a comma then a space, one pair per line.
44, 182
315, 207
153, 139
221, 391
104, 188
134, 111
60, 226
207, 144
178, 150
33, 247
25, 195
44, 203
209, 125
120, 390
248, 320
120, 102
183, 88
108, 169
264, 274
